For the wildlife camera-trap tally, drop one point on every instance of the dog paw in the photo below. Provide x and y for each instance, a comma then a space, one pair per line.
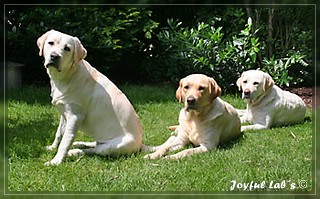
171, 157
73, 152
53, 162
50, 147
151, 156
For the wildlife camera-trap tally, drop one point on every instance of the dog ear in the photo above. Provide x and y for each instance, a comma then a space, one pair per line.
268, 81
239, 82
179, 91
79, 51
214, 89
41, 40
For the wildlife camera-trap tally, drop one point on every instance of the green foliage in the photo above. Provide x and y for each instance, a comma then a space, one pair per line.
244, 47
203, 49
211, 47
96, 27
279, 69
108, 33
155, 44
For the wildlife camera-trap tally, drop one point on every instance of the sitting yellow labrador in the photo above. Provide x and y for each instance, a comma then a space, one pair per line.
267, 104
205, 121
87, 101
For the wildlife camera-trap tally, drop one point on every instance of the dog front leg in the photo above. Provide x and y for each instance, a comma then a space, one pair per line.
253, 127
244, 115
188, 152
59, 134
154, 148
264, 122
172, 144
71, 128
241, 112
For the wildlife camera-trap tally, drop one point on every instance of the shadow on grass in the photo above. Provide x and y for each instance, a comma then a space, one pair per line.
308, 119
136, 94
24, 142
149, 94
231, 143
27, 140
30, 95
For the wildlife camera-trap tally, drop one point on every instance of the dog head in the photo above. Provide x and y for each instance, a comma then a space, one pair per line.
254, 83
60, 51
197, 91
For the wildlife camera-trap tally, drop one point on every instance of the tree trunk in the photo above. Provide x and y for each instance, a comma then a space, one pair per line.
270, 32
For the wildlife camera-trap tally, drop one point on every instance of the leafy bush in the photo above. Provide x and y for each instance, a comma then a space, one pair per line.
203, 49
279, 69
108, 33
139, 41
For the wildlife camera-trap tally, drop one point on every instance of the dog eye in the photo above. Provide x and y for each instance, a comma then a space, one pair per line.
66, 48
245, 81
201, 88
186, 87
50, 43
255, 83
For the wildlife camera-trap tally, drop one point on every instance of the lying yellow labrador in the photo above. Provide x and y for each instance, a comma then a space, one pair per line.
205, 121
87, 101
267, 104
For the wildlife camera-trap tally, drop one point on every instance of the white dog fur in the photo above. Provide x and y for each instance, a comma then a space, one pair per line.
205, 121
267, 104
87, 101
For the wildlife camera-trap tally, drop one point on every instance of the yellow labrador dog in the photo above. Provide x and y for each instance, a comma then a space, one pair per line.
205, 121
267, 104
87, 101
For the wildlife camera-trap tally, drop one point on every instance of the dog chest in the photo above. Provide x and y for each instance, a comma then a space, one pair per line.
194, 132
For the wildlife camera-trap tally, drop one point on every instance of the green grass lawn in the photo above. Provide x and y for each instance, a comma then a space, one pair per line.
270, 156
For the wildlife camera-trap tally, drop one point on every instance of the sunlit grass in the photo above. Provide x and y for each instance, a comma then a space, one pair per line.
266, 155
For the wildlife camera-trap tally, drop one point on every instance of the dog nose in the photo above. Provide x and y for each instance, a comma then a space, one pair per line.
246, 92
54, 56
191, 100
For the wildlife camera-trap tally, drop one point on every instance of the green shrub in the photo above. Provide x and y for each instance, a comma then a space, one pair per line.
279, 69
108, 33
139, 45
203, 49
